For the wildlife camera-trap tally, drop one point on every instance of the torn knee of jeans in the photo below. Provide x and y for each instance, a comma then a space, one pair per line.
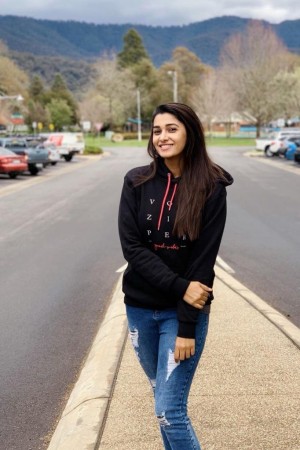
163, 422
134, 336
172, 364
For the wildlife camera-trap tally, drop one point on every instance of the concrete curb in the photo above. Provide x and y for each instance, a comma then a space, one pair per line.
288, 328
81, 422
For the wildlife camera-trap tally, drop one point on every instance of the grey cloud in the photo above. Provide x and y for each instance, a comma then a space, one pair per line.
156, 12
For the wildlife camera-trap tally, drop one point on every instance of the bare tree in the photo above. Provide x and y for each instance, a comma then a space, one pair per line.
251, 64
212, 99
111, 95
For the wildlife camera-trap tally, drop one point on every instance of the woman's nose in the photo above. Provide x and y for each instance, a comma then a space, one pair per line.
163, 135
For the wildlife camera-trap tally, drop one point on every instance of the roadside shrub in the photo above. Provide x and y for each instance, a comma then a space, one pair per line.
92, 150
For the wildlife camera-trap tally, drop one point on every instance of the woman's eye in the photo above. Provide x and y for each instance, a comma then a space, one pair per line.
172, 130
156, 132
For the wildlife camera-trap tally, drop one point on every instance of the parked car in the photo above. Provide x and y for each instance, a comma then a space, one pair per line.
272, 141
53, 153
36, 157
297, 155
12, 164
292, 145
282, 145
68, 144
278, 147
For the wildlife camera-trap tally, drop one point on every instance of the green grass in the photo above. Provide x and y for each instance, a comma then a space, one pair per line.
100, 142
103, 142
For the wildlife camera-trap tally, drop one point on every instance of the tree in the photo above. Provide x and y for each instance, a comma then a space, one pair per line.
36, 112
189, 70
59, 91
251, 64
60, 113
212, 99
111, 96
36, 89
13, 81
133, 50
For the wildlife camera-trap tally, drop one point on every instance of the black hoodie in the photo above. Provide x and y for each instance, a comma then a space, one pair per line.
161, 265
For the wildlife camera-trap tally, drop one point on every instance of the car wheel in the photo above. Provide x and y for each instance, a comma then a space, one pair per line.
68, 157
53, 163
12, 175
268, 152
33, 169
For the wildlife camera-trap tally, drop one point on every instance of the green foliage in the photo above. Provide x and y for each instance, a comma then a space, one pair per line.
60, 113
36, 112
59, 91
133, 50
36, 89
92, 150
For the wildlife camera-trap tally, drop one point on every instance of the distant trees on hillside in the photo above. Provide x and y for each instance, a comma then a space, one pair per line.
256, 75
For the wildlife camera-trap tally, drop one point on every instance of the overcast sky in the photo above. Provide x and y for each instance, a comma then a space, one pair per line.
151, 12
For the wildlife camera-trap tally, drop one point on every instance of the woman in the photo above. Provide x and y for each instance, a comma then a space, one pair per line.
171, 220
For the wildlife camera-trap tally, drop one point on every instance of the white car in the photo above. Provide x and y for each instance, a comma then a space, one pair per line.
270, 145
278, 146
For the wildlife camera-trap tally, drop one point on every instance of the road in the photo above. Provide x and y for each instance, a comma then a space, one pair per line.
60, 252
59, 255
262, 239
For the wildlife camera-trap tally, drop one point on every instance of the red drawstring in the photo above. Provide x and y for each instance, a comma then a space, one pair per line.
173, 195
164, 200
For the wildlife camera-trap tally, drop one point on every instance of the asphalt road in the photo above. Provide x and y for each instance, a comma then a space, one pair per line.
59, 253
262, 237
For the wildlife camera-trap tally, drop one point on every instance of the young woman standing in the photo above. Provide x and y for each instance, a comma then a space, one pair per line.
171, 220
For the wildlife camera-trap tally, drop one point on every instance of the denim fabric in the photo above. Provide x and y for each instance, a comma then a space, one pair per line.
153, 334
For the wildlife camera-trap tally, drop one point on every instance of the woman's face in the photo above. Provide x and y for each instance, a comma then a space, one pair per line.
169, 137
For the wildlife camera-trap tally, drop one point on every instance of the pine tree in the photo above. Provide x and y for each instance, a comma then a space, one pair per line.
133, 50
59, 91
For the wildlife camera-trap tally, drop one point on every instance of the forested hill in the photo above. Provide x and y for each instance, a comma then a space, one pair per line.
78, 40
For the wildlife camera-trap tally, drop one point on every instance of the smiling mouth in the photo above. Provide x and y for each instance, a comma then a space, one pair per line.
165, 146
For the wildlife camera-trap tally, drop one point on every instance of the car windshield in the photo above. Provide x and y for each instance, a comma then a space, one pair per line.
15, 144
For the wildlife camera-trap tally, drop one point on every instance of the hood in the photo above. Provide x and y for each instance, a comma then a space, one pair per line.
227, 180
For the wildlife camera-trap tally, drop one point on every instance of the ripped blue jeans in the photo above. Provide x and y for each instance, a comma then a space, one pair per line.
153, 334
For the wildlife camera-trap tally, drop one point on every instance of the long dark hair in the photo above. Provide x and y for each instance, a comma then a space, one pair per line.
199, 173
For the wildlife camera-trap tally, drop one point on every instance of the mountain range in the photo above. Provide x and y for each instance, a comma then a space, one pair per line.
86, 40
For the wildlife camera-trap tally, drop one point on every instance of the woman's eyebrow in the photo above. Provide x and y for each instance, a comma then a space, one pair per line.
167, 125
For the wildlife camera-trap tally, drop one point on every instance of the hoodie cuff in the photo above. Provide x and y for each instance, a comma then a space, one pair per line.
186, 330
179, 287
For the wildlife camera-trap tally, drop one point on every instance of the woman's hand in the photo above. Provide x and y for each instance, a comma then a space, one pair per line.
197, 294
184, 349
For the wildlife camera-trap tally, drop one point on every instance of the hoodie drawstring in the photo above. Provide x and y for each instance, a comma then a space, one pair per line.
164, 200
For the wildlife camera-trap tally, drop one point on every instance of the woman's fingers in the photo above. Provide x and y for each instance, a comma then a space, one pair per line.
184, 348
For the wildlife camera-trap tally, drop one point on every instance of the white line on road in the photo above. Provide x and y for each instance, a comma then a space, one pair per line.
224, 265
122, 269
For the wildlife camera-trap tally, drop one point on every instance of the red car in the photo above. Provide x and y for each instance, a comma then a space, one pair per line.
12, 164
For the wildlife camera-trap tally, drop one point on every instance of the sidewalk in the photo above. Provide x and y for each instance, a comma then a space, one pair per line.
245, 395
